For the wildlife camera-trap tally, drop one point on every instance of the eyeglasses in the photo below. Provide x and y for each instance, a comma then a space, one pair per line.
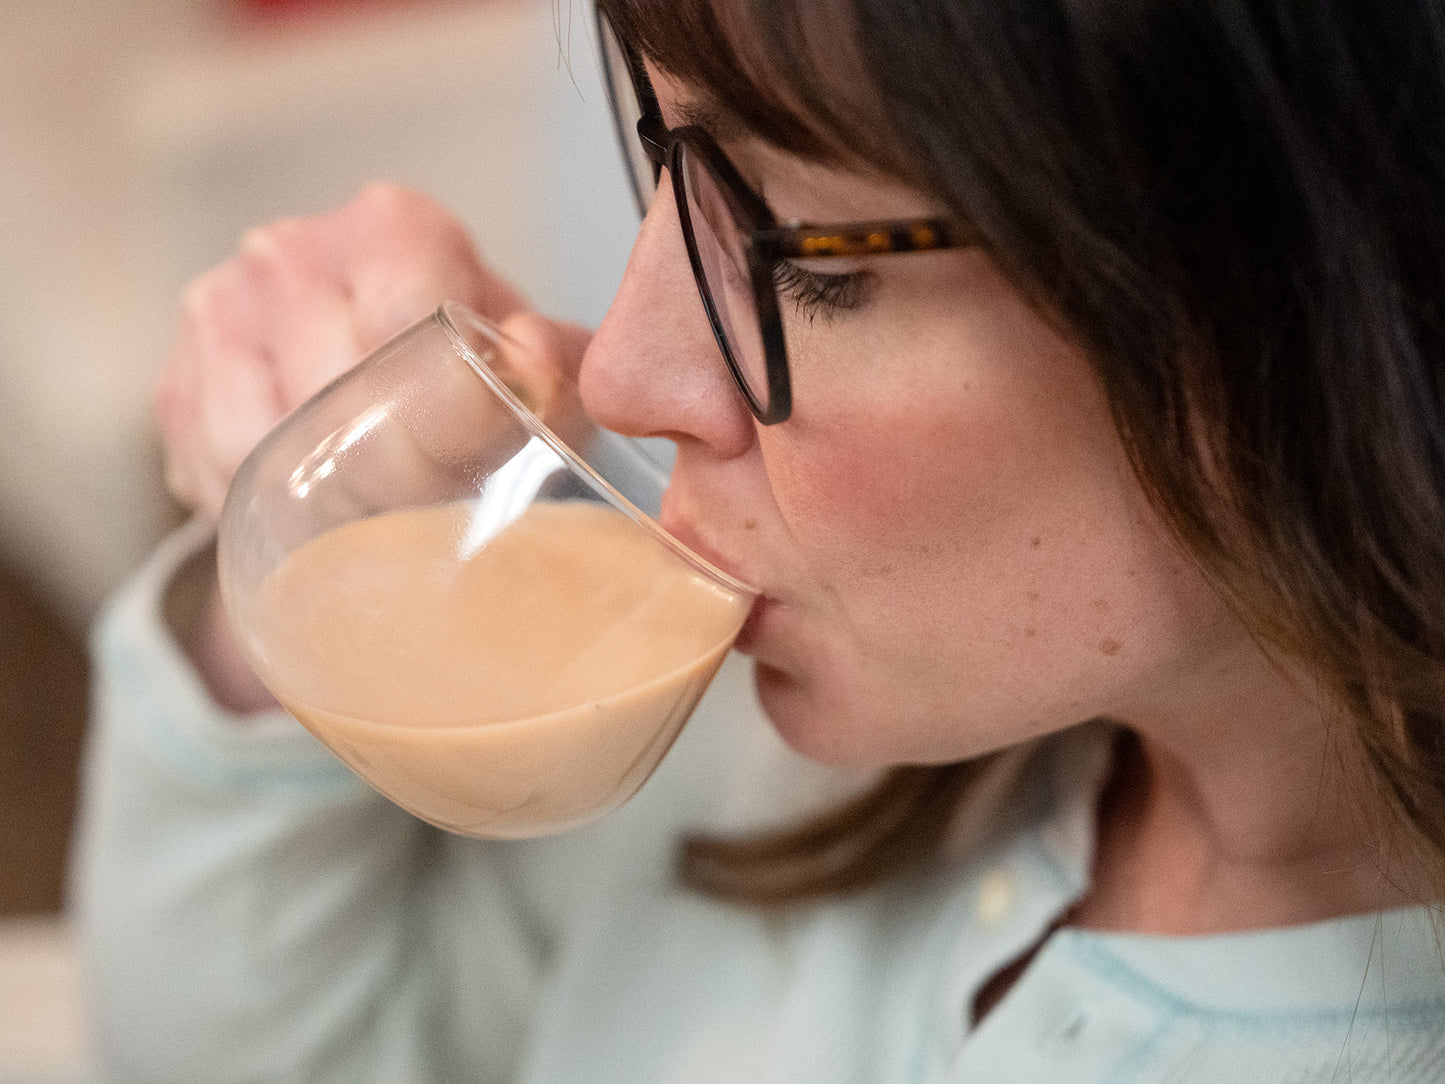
740, 253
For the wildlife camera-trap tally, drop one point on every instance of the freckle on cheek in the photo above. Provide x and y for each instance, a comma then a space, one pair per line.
1110, 647
750, 524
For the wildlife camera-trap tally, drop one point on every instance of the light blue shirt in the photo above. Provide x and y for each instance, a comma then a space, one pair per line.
250, 911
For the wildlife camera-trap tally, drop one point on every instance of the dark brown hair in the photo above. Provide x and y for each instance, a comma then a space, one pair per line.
1238, 210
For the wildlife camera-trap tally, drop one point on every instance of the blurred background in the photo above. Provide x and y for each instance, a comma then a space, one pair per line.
138, 140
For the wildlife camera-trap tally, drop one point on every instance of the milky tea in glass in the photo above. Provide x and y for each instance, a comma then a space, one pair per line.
481, 622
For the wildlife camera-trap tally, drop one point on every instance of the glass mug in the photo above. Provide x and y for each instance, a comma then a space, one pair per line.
449, 575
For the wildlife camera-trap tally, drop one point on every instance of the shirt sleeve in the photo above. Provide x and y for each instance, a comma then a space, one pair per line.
250, 910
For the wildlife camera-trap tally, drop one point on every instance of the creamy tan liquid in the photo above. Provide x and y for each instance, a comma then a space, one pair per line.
528, 688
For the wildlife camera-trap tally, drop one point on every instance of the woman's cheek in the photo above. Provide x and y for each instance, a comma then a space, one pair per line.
882, 485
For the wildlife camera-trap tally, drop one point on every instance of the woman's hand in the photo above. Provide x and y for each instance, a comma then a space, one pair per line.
300, 302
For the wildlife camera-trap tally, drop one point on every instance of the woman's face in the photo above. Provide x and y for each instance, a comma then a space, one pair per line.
954, 553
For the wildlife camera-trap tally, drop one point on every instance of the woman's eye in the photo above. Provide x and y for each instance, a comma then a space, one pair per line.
813, 293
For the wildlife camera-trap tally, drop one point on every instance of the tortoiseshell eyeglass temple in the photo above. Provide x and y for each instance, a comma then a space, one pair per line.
798, 241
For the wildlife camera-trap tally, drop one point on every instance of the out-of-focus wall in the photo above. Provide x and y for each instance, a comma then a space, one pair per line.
141, 138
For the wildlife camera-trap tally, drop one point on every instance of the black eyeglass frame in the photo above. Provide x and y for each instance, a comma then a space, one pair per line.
766, 242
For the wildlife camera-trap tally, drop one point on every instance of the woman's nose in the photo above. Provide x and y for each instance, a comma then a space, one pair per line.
653, 368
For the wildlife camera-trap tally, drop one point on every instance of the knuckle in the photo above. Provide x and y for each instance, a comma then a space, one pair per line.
201, 293
404, 210
378, 205
271, 244
210, 294
389, 200
380, 193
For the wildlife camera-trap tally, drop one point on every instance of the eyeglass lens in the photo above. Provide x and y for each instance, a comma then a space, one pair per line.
710, 229
725, 280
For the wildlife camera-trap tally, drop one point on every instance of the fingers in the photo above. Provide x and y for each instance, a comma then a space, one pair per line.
295, 310
557, 345
395, 284
217, 394
551, 355
300, 302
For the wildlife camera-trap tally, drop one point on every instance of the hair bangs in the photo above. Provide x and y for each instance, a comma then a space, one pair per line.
796, 79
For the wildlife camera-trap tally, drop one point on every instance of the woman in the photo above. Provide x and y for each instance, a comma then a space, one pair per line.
1087, 445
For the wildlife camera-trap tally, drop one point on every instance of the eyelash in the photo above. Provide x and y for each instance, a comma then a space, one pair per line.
813, 294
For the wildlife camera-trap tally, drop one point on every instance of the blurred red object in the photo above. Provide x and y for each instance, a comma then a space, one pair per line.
278, 5
298, 7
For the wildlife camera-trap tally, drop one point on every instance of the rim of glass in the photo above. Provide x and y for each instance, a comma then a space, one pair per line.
448, 314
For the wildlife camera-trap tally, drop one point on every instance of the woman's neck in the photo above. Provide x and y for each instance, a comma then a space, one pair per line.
1253, 816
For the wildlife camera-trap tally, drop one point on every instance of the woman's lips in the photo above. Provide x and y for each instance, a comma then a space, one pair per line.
748, 634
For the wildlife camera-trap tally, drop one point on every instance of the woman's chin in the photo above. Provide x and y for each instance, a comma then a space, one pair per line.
835, 725
808, 724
